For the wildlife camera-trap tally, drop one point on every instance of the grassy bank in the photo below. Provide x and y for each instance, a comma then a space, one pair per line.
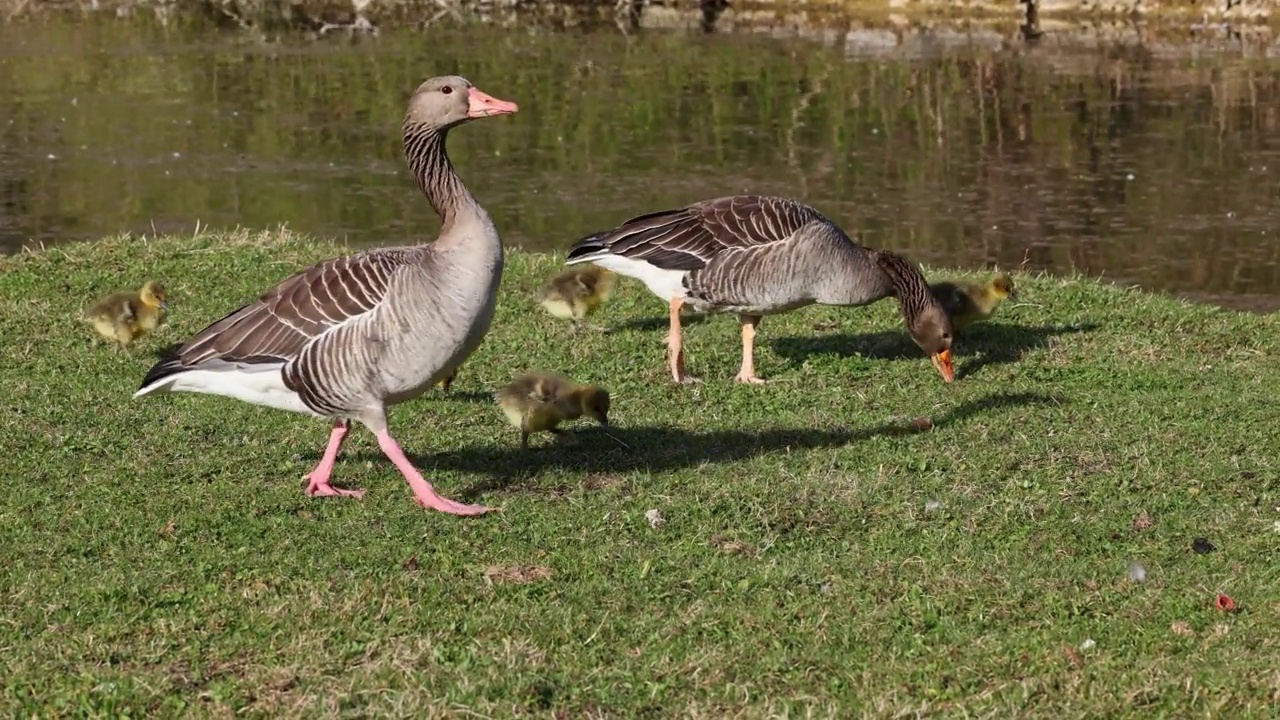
335, 14
818, 552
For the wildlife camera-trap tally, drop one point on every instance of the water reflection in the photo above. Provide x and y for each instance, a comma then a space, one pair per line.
1154, 170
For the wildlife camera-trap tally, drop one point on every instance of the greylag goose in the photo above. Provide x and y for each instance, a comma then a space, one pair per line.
576, 292
123, 317
541, 401
348, 337
967, 304
758, 255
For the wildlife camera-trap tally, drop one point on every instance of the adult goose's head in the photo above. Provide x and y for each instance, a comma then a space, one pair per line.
446, 101
930, 327
926, 320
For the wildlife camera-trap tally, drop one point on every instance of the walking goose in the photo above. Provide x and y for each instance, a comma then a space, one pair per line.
348, 337
758, 255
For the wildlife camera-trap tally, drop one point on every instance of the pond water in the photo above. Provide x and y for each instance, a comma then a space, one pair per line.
1149, 168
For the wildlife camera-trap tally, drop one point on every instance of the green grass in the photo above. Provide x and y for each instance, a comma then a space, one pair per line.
158, 555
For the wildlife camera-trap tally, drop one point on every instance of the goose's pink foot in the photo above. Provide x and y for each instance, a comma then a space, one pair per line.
422, 490
318, 480
317, 488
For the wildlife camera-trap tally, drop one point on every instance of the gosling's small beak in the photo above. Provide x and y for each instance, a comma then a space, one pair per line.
942, 361
164, 305
482, 104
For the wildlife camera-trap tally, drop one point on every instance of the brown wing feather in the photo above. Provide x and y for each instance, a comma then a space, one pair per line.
688, 238
280, 323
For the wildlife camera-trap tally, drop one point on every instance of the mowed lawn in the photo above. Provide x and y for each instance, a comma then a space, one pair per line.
820, 555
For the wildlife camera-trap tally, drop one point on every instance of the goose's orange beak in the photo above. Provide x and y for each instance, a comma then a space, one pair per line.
942, 361
482, 104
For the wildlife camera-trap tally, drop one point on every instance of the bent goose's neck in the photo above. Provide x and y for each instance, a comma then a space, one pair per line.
425, 151
909, 285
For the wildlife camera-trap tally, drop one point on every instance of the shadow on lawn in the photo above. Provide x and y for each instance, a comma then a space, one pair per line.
687, 319
658, 449
167, 352
985, 343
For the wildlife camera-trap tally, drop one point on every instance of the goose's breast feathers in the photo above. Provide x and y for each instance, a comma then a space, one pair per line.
295, 315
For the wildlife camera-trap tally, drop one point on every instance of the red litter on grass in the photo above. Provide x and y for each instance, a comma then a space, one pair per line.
1225, 603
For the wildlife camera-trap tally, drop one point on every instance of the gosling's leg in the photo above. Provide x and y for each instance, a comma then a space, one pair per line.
675, 348
747, 374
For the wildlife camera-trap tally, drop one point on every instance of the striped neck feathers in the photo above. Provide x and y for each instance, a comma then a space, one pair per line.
914, 297
424, 148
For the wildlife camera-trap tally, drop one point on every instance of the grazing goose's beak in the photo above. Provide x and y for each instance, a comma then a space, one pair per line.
942, 361
484, 105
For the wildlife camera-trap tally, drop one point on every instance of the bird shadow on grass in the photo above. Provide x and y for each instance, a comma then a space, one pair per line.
167, 352
467, 396
658, 449
985, 343
660, 323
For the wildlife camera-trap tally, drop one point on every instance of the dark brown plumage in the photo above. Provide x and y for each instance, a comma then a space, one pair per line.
759, 255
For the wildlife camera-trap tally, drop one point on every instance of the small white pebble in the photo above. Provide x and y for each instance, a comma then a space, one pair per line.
1276, 526
654, 517
1088, 644
1137, 573
1129, 176
52, 156
177, 154
932, 505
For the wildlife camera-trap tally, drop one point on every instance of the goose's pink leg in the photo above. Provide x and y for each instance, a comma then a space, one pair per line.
748, 372
675, 346
422, 489
318, 480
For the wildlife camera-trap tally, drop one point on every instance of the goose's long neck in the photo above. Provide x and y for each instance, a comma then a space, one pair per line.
429, 162
909, 285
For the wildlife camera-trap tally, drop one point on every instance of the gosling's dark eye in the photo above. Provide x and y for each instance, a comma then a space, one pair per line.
447, 89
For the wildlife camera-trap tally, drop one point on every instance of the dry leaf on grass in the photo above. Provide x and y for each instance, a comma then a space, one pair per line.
733, 547
516, 573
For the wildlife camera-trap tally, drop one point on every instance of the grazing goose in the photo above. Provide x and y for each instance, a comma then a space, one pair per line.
346, 338
126, 316
754, 256
967, 304
576, 292
541, 401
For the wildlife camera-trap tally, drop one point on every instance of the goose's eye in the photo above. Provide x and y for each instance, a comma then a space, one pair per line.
447, 89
